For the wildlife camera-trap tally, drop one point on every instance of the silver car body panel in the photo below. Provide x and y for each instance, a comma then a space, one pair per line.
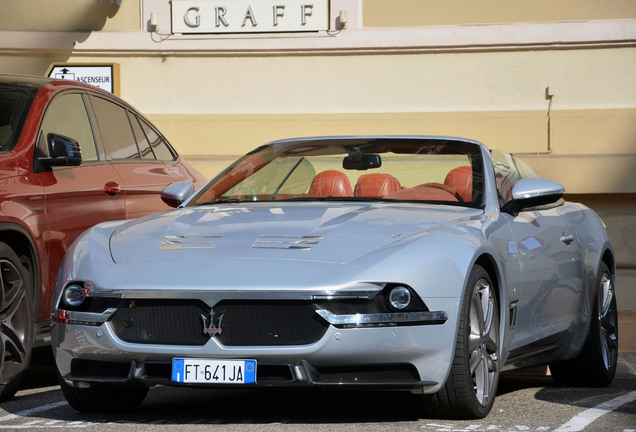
545, 263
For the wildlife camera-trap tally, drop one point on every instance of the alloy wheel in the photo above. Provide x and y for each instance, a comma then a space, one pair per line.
14, 322
608, 321
483, 341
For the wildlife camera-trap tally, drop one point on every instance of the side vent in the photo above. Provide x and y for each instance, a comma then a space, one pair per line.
513, 314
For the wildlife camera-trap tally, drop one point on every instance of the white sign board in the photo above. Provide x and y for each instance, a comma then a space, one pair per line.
249, 16
99, 76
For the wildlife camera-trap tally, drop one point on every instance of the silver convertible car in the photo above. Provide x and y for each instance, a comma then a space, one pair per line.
415, 263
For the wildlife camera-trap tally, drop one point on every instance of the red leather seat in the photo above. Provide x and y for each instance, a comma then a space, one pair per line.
376, 185
423, 193
330, 183
460, 179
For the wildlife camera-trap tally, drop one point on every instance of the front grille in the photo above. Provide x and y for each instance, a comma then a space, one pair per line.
241, 323
269, 323
170, 322
367, 374
98, 369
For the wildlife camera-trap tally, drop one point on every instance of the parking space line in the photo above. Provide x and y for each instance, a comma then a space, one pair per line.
575, 424
34, 410
583, 419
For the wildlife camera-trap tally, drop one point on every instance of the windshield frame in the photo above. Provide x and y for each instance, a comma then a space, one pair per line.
212, 193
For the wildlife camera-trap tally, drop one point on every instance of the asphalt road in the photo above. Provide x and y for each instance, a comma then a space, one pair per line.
529, 402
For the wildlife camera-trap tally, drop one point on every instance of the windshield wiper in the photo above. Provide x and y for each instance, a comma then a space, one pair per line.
375, 199
333, 198
222, 201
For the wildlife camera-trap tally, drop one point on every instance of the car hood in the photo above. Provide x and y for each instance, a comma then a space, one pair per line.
321, 232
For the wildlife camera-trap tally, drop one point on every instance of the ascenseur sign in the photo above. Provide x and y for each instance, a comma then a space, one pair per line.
105, 76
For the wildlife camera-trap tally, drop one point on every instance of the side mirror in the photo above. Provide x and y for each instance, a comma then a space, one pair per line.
528, 193
176, 193
64, 151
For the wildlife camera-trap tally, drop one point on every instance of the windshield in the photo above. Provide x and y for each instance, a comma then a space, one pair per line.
14, 105
385, 169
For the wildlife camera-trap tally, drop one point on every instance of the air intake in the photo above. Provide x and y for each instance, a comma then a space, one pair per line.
286, 242
189, 242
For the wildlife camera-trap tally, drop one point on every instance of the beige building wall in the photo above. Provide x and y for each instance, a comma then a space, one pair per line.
401, 13
551, 81
69, 15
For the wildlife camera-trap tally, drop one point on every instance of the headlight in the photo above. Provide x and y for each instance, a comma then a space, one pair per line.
74, 295
399, 297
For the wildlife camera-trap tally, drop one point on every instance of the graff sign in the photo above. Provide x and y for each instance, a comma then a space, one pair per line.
249, 16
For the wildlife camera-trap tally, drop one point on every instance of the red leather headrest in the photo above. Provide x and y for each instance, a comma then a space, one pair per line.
376, 185
330, 183
461, 180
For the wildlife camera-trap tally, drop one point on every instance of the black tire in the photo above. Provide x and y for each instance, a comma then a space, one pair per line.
595, 366
469, 391
103, 398
16, 321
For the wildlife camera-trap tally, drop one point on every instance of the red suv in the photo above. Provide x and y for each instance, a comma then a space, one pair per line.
71, 156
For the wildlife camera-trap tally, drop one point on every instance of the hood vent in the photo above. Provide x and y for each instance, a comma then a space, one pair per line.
286, 242
189, 242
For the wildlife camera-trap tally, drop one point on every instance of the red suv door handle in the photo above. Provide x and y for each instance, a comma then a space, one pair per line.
112, 189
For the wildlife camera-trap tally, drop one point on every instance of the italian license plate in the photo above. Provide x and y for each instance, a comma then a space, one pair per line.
209, 371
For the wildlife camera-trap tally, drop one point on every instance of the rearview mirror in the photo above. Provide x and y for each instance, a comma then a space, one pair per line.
63, 151
176, 193
528, 193
361, 162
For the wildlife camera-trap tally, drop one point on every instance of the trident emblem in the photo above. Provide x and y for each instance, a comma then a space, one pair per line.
215, 328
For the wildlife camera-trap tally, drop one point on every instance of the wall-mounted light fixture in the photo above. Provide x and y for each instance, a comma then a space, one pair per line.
342, 20
154, 22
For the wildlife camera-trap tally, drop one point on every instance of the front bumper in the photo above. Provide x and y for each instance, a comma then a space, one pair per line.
411, 357
343, 338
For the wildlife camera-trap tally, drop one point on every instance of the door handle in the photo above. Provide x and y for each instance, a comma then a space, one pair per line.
112, 189
567, 238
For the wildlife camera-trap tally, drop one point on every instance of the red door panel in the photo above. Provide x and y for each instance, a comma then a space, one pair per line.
144, 182
76, 199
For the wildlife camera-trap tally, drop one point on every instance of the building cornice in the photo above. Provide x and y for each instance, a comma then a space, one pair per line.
499, 37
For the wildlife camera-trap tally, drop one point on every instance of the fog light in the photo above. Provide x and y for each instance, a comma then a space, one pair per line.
400, 297
74, 295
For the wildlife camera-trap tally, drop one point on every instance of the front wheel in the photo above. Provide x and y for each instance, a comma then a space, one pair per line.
469, 391
16, 322
596, 364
